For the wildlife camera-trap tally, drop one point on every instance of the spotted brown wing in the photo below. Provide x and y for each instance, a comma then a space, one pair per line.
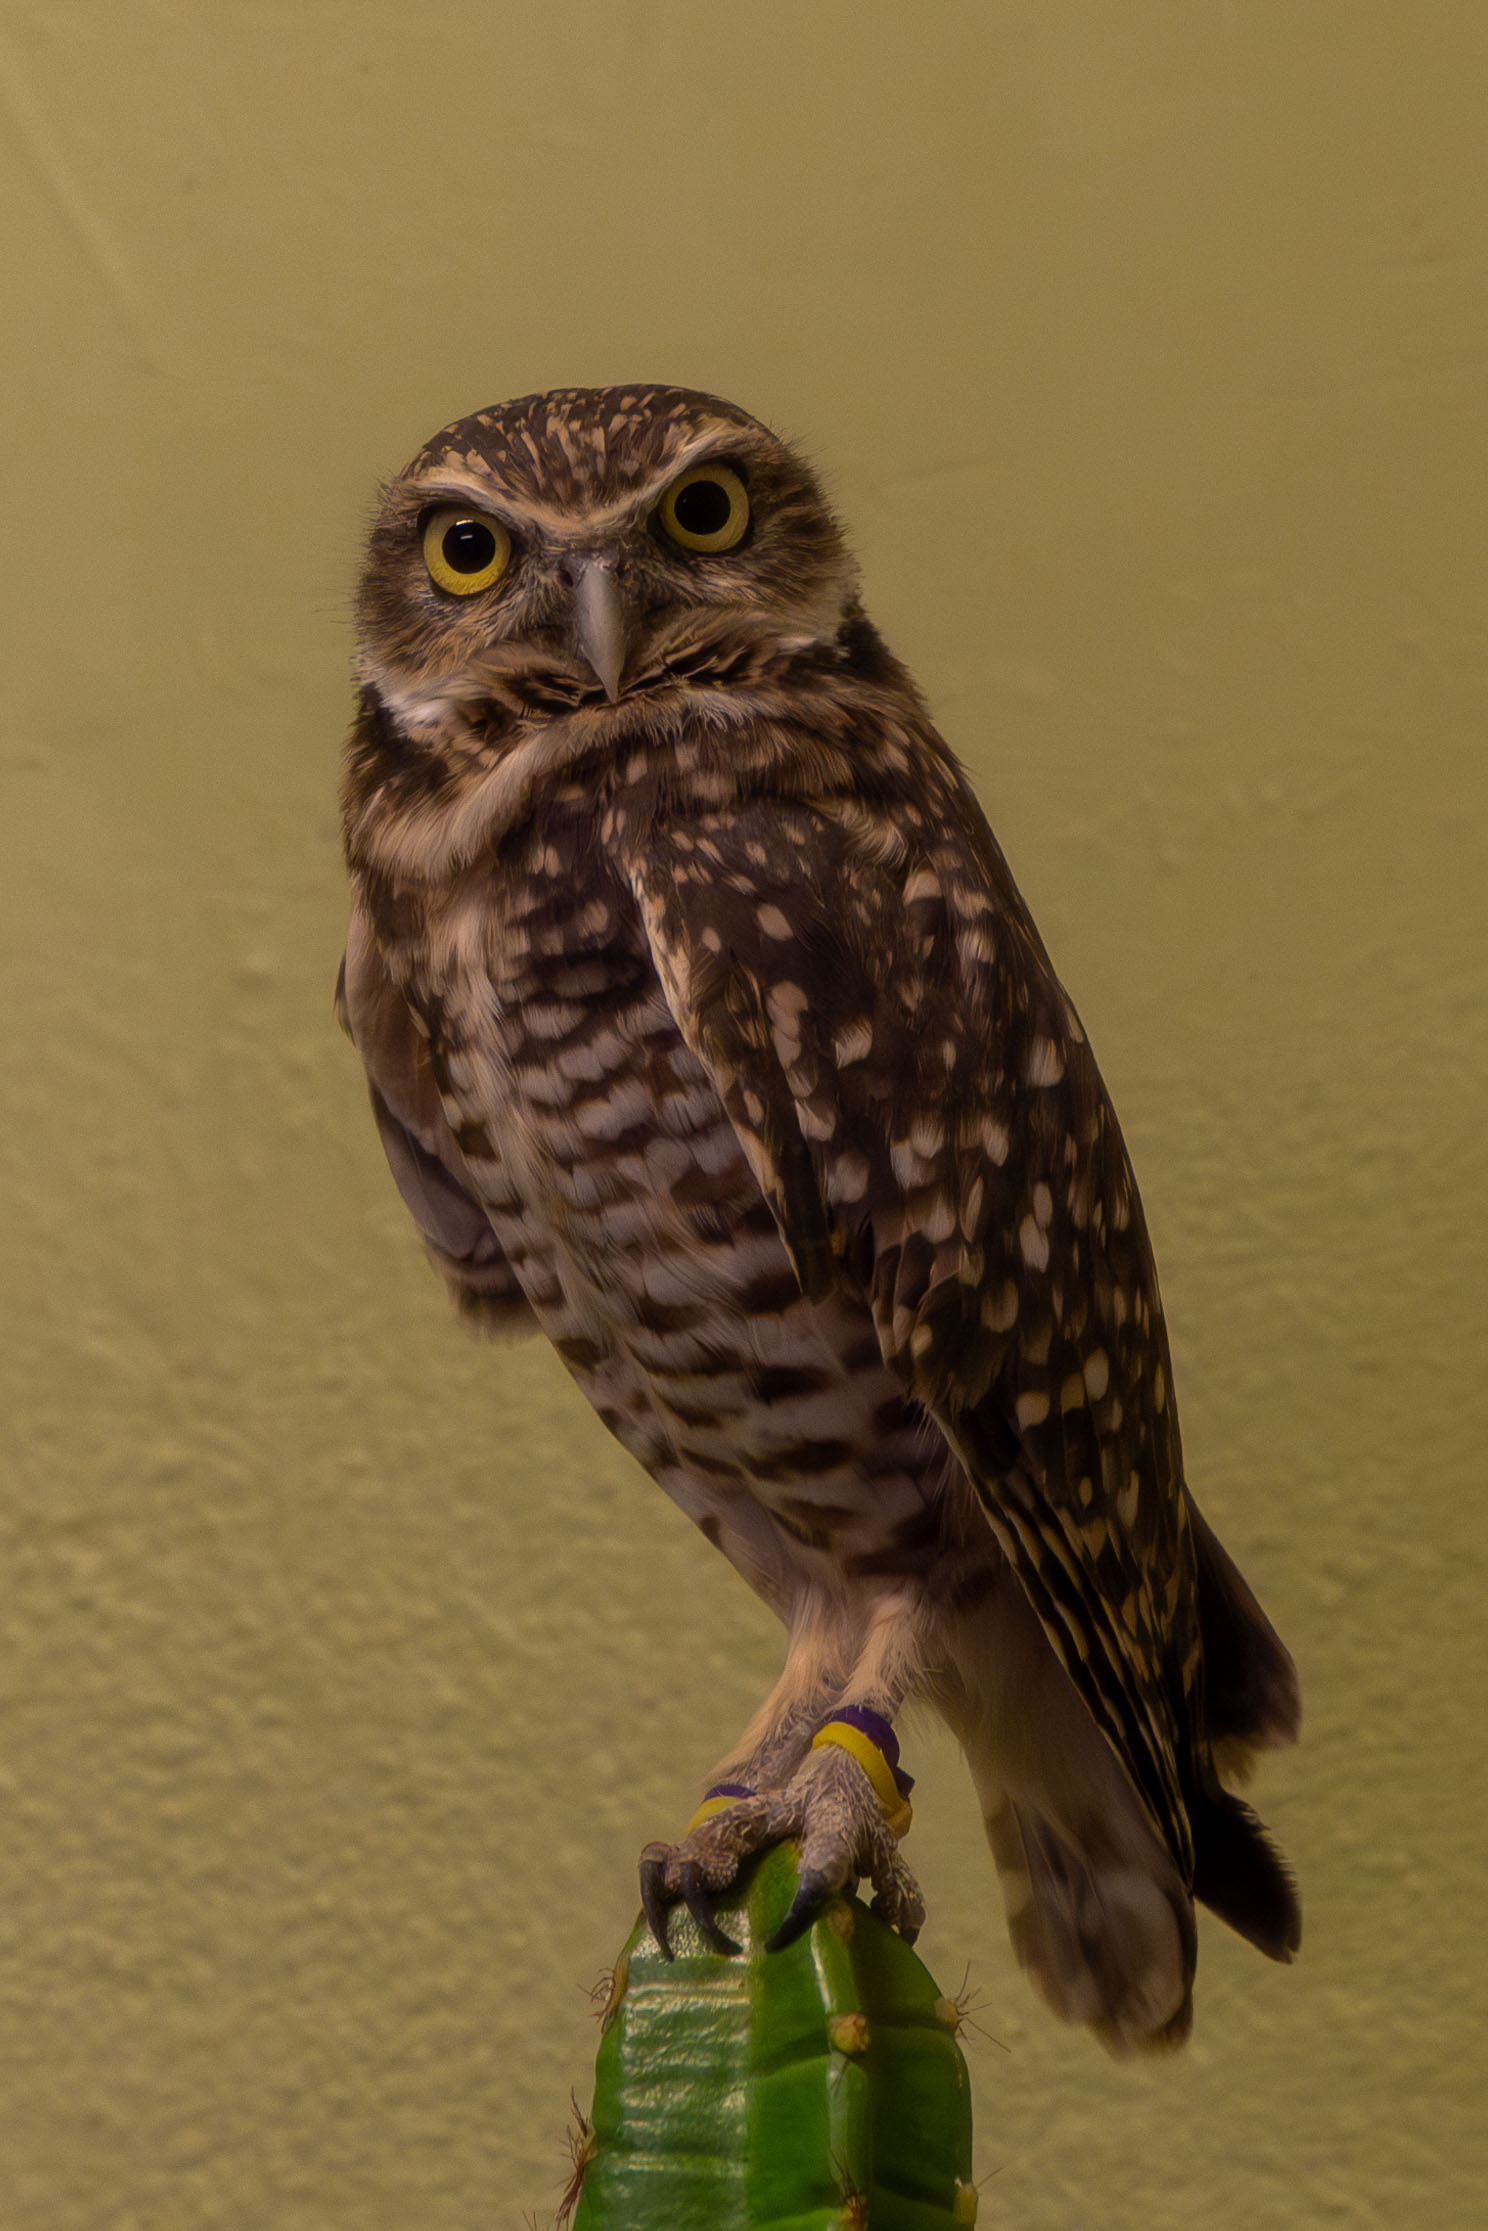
426, 1163
921, 1110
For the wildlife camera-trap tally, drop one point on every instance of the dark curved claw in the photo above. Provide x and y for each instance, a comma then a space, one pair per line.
812, 1893
880, 1907
655, 1904
695, 1896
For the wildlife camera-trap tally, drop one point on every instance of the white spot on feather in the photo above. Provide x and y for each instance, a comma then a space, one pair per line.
940, 1222
1034, 1244
584, 1063
817, 1121
849, 1178
1045, 1064
905, 1162
995, 1140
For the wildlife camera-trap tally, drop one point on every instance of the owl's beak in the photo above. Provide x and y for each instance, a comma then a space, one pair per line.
599, 621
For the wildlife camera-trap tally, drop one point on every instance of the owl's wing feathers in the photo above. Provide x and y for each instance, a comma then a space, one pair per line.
922, 1111
426, 1163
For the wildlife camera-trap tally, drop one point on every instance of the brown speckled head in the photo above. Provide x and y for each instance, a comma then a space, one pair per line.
573, 445
578, 478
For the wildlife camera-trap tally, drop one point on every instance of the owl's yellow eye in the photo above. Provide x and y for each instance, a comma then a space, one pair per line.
707, 509
465, 551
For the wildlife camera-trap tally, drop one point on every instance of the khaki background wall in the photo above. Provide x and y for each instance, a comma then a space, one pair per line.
345, 1665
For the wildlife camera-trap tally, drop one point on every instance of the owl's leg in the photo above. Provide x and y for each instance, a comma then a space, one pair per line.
808, 1781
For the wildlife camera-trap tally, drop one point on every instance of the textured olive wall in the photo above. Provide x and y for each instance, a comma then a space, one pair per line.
345, 1664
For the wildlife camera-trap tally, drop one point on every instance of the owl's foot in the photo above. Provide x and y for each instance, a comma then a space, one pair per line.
832, 1810
847, 1829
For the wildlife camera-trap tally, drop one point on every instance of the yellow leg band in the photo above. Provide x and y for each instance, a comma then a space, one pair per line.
897, 1810
708, 1808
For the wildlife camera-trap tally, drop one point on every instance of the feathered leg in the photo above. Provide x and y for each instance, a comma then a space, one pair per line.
842, 1654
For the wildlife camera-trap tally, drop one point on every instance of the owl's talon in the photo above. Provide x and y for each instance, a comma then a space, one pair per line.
887, 1910
695, 1895
845, 1835
896, 1894
656, 1902
813, 1892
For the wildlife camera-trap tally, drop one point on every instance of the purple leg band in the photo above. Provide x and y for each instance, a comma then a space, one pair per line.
878, 1731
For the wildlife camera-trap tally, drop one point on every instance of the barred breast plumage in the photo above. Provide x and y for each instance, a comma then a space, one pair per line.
623, 1202
706, 1029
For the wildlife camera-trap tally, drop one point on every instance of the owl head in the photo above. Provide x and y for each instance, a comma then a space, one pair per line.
591, 545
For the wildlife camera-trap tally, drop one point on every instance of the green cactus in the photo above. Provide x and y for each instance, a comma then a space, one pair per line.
818, 2088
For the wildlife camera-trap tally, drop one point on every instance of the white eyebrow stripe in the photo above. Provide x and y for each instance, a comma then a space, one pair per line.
448, 484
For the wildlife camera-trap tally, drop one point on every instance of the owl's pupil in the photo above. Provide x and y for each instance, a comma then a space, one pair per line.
703, 507
468, 546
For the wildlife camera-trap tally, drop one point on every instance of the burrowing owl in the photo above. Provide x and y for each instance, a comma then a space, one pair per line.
707, 1031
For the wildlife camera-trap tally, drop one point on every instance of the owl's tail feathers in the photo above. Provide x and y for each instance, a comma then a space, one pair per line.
1104, 1928
1099, 1913
1106, 1939
1240, 1875
1252, 1701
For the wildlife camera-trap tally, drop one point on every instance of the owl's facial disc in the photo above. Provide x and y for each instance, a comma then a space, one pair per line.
589, 546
